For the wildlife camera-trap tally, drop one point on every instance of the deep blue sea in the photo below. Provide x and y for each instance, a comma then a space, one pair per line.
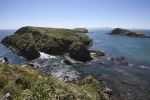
131, 82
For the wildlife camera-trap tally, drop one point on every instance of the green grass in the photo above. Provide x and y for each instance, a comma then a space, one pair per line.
28, 84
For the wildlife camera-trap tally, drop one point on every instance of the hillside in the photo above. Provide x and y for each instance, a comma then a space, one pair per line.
24, 83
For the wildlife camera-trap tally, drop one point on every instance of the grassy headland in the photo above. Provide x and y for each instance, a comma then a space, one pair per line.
29, 84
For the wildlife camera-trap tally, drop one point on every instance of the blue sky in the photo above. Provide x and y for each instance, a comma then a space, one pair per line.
75, 13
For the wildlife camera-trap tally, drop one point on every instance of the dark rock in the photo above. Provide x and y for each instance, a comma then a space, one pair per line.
66, 78
124, 32
124, 63
124, 82
120, 58
80, 30
28, 41
79, 52
67, 62
6, 60
102, 63
95, 53
32, 65
108, 91
55, 65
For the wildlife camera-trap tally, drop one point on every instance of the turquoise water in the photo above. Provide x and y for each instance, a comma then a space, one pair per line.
133, 48
130, 82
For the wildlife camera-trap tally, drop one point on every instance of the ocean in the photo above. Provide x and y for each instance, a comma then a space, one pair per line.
128, 82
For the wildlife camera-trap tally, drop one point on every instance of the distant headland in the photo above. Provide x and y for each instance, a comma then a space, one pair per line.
125, 32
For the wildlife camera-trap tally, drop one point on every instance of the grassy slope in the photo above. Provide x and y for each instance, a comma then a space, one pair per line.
28, 84
57, 33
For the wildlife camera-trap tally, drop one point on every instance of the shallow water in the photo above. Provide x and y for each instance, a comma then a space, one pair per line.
128, 82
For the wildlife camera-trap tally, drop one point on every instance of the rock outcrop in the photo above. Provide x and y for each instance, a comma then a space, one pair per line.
79, 52
119, 58
28, 41
81, 30
124, 32
23, 45
96, 54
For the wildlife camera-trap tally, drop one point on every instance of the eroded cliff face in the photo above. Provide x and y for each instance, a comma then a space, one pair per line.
28, 41
124, 32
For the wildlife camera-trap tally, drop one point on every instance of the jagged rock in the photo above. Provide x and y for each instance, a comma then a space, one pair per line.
124, 32
108, 91
79, 52
67, 62
32, 65
120, 58
124, 63
95, 53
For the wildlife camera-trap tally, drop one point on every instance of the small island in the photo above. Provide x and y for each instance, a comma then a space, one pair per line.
81, 30
125, 32
29, 41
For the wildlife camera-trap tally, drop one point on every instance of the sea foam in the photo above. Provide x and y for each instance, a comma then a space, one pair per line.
46, 56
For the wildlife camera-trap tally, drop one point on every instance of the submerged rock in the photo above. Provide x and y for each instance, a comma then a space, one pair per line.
28, 41
124, 32
102, 63
79, 52
125, 63
120, 58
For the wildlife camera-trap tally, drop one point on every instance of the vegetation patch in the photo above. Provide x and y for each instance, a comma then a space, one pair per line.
28, 84
28, 41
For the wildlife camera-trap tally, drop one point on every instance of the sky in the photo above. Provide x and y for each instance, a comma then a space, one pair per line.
75, 13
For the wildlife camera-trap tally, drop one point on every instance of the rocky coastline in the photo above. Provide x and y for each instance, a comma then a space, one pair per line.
28, 83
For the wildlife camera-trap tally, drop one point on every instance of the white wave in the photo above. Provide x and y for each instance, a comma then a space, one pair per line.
62, 71
146, 67
130, 65
46, 56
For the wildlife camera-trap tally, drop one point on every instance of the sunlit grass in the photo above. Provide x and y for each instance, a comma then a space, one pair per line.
28, 84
